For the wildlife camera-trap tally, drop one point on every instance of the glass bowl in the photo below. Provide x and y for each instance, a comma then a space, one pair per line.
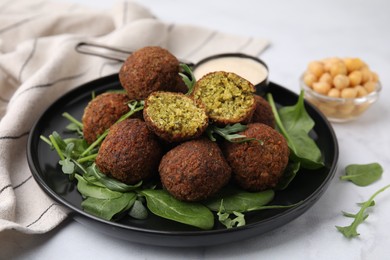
340, 109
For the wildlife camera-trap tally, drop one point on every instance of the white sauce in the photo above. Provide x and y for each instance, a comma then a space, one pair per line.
247, 68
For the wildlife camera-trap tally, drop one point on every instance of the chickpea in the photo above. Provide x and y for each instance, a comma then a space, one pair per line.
326, 109
374, 76
370, 86
349, 93
340, 81
346, 109
355, 78
309, 79
338, 68
353, 64
328, 63
316, 67
361, 108
366, 75
321, 87
326, 77
361, 91
334, 92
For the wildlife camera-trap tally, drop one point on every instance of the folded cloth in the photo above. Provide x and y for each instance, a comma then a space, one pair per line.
38, 64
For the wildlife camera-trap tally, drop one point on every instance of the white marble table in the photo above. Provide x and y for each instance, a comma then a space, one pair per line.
300, 31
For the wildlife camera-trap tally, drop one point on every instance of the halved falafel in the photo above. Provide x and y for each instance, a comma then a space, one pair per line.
102, 112
263, 112
174, 117
194, 170
228, 97
258, 166
148, 69
130, 152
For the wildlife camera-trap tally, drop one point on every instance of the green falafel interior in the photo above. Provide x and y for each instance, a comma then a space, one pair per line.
226, 96
175, 113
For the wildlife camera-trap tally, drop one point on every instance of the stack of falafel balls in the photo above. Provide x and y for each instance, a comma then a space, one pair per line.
167, 140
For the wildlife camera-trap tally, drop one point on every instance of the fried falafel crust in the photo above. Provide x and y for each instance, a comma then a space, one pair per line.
258, 166
174, 117
263, 112
227, 96
102, 112
130, 152
148, 69
194, 170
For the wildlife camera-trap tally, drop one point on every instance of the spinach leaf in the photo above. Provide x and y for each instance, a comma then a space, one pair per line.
108, 208
239, 200
295, 124
351, 230
162, 204
90, 190
363, 174
100, 179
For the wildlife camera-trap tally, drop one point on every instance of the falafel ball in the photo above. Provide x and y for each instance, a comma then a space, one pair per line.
194, 170
148, 69
102, 112
258, 166
174, 117
227, 96
130, 152
263, 112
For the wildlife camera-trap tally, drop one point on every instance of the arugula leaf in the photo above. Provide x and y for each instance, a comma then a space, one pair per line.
75, 125
163, 204
229, 133
295, 124
351, 230
188, 77
363, 174
224, 217
134, 106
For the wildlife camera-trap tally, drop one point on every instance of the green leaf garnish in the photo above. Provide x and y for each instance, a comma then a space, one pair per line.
238, 200
163, 204
295, 124
363, 174
229, 133
134, 106
225, 219
188, 77
351, 230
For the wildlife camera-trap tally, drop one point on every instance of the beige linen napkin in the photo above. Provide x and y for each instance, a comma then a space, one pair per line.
38, 64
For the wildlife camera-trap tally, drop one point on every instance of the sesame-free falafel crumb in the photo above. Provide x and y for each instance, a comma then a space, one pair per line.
225, 94
175, 113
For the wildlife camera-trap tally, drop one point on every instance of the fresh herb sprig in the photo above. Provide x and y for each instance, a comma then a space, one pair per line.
134, 106
188, 77
229, 133
351, 230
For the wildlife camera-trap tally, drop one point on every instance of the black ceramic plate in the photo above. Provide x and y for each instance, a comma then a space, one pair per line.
308, 186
